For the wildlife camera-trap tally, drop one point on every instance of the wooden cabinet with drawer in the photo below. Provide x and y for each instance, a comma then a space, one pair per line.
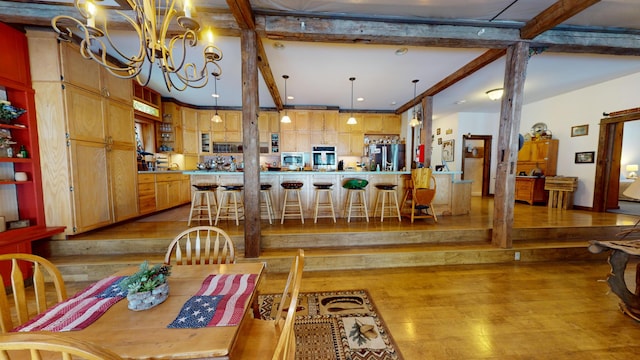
146, 193
530, 190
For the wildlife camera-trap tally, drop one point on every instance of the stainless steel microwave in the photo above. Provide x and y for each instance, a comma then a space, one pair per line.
292, 160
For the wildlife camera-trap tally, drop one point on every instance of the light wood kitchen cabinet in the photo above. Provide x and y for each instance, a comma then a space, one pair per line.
372, 124
190, 140
173, 114
170, 190
89, 136
323, 128
146, 193
350, 137
268, 123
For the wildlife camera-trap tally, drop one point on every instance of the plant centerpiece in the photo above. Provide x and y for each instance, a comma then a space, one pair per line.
148, 287
8, 112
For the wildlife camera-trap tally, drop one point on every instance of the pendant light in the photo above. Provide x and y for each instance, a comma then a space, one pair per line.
285, 119
352, 120
414, 121
216, 118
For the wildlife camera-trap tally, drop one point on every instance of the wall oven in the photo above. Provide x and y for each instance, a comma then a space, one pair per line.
323, 157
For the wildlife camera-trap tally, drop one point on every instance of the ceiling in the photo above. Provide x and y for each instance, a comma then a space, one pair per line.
319, 71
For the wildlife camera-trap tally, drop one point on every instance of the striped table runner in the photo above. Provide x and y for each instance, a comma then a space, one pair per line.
219, 302
79, 311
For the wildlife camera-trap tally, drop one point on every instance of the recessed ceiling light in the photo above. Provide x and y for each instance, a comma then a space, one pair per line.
278, 45
361, 99
401, 51
215, 95
289, 97
393, 102
459, 102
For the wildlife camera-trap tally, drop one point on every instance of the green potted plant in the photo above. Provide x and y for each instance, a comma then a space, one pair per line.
8, 112
148, 287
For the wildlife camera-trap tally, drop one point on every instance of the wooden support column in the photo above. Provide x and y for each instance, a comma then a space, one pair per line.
427, 128
510, 112
250, 143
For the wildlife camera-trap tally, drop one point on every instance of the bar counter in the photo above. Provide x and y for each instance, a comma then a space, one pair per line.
453, 196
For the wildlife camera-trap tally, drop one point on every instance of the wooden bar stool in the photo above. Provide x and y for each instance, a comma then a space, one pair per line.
204, 197
356, 188
389, 197
232, 204
324, 205
265, 191
291, 191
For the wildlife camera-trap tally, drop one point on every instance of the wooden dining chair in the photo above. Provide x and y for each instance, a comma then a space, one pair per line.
273, 339
50, 346
31, 277
423, 193
201, 245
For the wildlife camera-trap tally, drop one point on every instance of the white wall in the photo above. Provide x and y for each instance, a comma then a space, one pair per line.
584, 106
580, 107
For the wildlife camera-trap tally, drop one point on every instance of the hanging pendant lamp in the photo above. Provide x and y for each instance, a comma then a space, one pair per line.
285, 119
414, 121
216, 118
352, 120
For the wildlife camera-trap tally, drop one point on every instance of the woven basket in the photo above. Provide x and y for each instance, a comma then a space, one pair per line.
148, 299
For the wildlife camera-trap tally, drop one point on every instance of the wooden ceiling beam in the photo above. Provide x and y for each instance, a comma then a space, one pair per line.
468, 69
242, 12
553, 16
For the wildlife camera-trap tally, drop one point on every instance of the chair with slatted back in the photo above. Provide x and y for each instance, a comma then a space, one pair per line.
423, 193
50, 346
31, 277
274, 339
201, 245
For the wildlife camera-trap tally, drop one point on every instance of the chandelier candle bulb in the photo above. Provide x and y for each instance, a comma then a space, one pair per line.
187, 8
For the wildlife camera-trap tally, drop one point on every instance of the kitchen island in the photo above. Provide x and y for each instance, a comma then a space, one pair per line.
453, 196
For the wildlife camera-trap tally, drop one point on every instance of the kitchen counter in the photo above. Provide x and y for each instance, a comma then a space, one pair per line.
290, 172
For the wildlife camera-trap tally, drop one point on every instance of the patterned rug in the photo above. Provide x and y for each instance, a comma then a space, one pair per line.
342, 325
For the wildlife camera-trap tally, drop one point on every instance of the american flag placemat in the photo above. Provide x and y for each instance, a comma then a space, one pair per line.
219, 302
81, 310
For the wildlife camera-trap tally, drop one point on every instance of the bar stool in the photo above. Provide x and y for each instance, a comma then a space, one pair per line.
356, 188
327, 204
292, 188
265, 191
389, 197
201, 203
231, 202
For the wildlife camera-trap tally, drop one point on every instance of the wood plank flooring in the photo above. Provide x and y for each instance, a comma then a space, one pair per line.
515, 310
542, 311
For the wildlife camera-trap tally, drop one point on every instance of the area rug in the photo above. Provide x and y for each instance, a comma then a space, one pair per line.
341, 325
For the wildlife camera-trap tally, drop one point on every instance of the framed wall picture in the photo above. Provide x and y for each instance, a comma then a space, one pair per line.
438, 131
586, 157
439, 141
580, 130
447, 150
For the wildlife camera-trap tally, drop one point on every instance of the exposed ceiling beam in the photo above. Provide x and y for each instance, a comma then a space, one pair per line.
546, 20
553, 16
316, 29
473, 66
242, 12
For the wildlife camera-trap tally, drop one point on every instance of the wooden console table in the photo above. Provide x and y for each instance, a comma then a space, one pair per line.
621, 251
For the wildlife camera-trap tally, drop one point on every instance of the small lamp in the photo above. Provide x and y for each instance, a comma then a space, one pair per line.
216, 117
633, 191
414, 121
285, 119
352, 120
495, 94
632, 171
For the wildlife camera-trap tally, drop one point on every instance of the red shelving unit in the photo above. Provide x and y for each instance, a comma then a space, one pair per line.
15, 81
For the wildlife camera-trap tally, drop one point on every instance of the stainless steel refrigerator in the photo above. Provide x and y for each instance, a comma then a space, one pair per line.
390, 157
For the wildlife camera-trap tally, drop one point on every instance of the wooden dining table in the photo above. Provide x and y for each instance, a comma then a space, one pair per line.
145, 335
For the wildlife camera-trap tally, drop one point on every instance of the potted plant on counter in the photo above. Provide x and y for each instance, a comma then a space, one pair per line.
148, 287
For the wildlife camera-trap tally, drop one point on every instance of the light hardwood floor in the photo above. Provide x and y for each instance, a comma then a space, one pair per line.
534, 310
550, 311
